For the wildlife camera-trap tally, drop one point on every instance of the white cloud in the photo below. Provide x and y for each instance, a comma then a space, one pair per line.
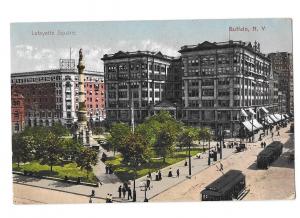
146, 44
27, 57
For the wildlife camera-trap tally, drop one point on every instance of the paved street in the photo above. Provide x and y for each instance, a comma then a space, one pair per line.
182, 188
24, 194
275, 183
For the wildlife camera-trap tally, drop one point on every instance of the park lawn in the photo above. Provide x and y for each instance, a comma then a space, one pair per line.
125, 172
70, 170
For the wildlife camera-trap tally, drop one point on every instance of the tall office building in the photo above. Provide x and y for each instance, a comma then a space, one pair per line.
225, 83
282, 64
135, 81
53, 95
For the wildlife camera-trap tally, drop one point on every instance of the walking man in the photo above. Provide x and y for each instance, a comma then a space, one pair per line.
177, 173
129, 193
149, 175
120, 191
124, 191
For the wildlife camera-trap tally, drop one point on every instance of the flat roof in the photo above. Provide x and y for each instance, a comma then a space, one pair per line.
55, 71
122, 54
206, 45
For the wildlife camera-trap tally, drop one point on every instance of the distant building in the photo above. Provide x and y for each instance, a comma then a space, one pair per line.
225, 83
17, 112
52, 95
137, 80
282, 64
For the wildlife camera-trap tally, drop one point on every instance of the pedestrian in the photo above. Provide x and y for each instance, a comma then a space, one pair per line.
262, 144
110, 198
221, 167
265, 144
124, 191
106, 169
185, 163
159, 175
148, 183
107, 198
120, 191
170, 173
90, 201
177, 173
278, 133
129, 193
93, 193
149, 175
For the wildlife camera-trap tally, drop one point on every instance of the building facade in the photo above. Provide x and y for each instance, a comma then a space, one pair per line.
282, 64
225, 83
135, 81
17, 112
52, 96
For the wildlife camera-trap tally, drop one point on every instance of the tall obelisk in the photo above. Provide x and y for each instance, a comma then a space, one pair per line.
83, 133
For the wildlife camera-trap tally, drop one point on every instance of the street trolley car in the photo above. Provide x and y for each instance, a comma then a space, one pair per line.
269, 155
228, 187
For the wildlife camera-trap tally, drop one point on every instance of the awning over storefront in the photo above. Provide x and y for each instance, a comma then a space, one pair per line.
243, 113
256, 124
264, 110
251, 111
268, 120
248, 125
275, 120
279, 117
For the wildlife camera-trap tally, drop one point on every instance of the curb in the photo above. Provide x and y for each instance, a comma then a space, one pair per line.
57, 179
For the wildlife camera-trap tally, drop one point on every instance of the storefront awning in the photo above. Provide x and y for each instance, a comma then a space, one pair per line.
268, 120
248, 126
275, 120
279, 117
243, 113
251, 111
256, 124
264, 110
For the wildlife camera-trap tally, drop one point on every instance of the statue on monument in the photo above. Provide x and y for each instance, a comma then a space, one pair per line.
80, 55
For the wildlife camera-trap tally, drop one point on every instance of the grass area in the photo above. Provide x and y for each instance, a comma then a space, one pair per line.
125, 172
70, 170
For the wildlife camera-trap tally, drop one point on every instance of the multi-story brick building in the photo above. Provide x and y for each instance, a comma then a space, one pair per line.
282, 64
52, 95
135, 79
225, 82
17, 112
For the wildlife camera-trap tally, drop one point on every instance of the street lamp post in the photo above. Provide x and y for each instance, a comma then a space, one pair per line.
221, 141
146, 199
208, 151
190, 162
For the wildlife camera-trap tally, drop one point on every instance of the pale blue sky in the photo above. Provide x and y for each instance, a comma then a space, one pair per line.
30, 52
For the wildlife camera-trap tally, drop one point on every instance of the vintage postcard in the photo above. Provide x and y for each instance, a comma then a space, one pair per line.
152, 111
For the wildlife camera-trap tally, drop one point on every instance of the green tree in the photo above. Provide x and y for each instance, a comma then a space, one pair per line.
50, 150
135, 150
187, 136
86, 159
205, 135
166, 138
22, 148
71, 148
118, 133
59, 130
